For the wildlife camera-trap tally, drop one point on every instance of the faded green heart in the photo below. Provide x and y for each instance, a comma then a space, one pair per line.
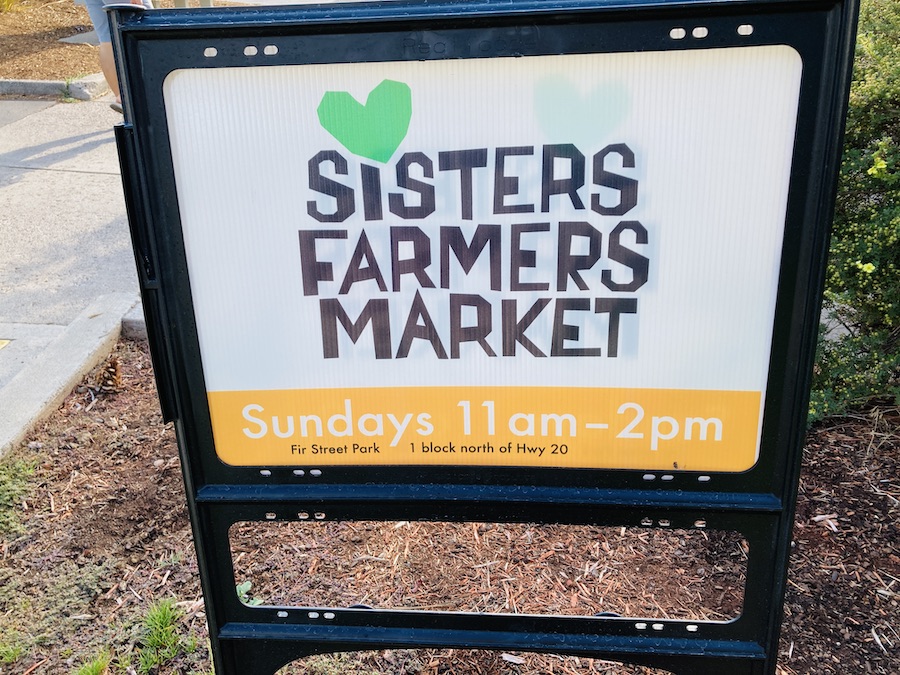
374, 130
566, 114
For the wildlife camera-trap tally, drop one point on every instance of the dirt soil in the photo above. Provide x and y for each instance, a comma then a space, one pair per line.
103, 534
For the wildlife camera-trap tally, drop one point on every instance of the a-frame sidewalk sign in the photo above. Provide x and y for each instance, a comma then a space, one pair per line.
509, 261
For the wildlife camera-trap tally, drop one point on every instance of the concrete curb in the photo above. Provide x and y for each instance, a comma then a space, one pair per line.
42, 385
83, 89
134, 327
89, 87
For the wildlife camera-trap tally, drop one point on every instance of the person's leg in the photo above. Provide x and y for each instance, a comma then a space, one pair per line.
107, 61
101, 26
108, 66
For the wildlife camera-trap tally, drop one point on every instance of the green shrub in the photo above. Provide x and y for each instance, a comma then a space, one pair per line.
859, 350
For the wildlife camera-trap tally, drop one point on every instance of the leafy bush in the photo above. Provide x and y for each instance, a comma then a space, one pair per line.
859, 348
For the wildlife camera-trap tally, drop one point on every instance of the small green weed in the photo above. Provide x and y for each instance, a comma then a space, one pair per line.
173, 559
6, 5
123, 662
99, 665
334, 664
10, 653
243, 593
14, 485
13, 643
162, 642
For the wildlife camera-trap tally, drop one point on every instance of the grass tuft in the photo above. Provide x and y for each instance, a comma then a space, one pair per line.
14, 485
162, 643
10, 652
99, 665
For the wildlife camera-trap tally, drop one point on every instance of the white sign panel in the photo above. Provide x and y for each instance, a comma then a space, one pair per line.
561, 261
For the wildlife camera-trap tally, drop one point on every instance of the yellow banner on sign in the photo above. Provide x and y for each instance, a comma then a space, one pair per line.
642, 429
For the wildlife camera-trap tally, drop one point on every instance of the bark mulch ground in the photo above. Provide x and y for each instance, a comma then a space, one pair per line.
30, 47
99, 532
30, 33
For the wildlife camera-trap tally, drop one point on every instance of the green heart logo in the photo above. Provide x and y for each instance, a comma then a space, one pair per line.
374, 130
565, 114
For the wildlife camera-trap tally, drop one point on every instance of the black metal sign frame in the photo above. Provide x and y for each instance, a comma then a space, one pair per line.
757, 503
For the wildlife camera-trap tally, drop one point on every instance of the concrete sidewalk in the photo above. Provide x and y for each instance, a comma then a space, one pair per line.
67, 274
